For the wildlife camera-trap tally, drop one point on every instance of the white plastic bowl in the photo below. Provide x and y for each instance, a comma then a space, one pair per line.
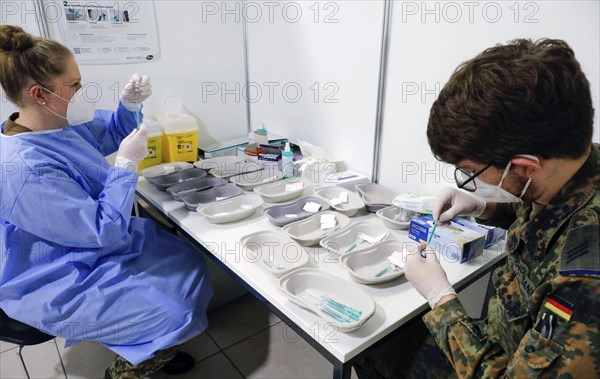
364, 266
249, 180
276, 193
276, 252
308, 232
301, 285
228, 170
232, 210
349, 208
342, 241
388, 215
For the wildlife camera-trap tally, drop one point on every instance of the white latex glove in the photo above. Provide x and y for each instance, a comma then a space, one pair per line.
427, 275
133, 149
137, 89
451, 202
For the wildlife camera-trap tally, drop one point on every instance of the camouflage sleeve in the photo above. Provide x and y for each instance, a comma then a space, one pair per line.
469, 351
503, 217
572, 349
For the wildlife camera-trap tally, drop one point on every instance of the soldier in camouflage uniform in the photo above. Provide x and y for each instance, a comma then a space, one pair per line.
544, 320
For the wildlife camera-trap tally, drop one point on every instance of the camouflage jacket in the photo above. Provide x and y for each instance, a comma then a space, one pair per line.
544, 320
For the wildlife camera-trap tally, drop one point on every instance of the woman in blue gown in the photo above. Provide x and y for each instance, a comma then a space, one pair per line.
74, 262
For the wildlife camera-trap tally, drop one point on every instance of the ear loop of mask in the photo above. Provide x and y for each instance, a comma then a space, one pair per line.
51, 111
507, 169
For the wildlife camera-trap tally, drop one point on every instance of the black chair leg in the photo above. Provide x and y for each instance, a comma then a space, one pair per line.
20, 354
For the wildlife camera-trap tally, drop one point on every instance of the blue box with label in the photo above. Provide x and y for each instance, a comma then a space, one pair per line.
451, 240
493, 235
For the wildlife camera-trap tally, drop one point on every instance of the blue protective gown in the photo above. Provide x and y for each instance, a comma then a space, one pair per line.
74, 262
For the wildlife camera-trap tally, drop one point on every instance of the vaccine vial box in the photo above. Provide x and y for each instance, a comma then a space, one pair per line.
451, 240
493, 235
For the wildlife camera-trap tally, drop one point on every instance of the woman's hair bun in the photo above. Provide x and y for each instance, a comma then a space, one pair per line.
15, 39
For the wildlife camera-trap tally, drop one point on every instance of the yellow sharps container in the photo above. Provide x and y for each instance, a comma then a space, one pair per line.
154, 145
179, 133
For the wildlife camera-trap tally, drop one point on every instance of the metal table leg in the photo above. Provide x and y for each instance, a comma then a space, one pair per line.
342, 370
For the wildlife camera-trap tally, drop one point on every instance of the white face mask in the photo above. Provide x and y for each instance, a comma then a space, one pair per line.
497, 194
79, 110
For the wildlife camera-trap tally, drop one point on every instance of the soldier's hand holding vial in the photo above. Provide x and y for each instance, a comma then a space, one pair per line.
424, 271
451, 202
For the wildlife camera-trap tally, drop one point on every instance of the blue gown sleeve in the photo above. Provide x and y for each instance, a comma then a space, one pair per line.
54, 206
109, 128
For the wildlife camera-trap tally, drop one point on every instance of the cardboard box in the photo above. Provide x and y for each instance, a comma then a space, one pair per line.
451, 240
493, 235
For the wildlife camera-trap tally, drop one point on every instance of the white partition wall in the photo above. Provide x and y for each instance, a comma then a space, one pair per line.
314, 69
429, 39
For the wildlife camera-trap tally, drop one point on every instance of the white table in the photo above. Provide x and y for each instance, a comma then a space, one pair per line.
397, 301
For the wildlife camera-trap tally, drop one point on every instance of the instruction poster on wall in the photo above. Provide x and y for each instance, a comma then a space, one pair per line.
109, 32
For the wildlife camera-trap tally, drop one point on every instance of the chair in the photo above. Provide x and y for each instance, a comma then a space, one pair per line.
16, 332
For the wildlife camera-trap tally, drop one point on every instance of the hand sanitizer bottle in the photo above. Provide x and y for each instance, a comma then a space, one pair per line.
287, 162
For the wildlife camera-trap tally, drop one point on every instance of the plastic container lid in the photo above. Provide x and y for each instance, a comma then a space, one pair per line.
152, 127
172, 104
174, 120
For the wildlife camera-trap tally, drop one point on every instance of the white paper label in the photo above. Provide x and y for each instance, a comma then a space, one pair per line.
327, 226
396, 259
246, 206
344, 197
311, 207
335, 201
366, 237
291, 215
328, 221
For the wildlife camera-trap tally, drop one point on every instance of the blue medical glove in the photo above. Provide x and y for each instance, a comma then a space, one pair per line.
137, 89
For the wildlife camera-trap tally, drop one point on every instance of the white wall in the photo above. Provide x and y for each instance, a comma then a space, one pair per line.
428, 41
338, 48
200, 51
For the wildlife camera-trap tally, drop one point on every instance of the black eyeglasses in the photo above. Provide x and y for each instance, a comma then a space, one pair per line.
465, 179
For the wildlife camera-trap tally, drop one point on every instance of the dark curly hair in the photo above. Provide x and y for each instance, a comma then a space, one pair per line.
520, 98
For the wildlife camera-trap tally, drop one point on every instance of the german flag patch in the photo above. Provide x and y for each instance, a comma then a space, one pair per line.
559, 306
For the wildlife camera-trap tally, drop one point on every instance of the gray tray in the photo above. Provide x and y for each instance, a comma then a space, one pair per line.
217, 162
194, 199
194, 185
277, 213
375, 196
163, 182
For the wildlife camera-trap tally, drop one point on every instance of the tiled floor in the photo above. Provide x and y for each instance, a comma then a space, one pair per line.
244, 340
